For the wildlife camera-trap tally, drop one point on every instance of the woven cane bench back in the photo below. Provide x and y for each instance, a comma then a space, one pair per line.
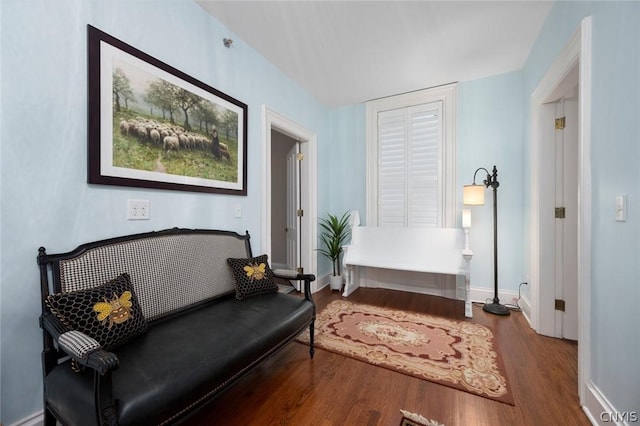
168, 272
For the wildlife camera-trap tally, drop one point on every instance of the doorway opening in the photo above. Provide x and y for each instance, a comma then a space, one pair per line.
289, 194
566, 87
285, 201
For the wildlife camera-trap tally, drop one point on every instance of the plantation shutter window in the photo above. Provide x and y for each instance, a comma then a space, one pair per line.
410, 166
411, 159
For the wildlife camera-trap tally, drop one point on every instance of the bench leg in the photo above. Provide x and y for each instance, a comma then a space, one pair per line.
468, 311
49, 418
352, 279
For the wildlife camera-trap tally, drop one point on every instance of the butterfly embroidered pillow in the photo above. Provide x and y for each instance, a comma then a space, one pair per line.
252, 276
109, 313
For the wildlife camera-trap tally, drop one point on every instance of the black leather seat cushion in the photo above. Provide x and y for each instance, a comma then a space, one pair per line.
181, 359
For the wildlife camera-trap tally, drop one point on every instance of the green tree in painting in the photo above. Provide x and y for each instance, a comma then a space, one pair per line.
121, 89
186, 101
230, 124
207, 115
162, 94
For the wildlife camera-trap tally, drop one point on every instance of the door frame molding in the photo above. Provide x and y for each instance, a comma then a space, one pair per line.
577, 51
308, 145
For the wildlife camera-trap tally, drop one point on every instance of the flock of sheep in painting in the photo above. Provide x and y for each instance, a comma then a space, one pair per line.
172, 138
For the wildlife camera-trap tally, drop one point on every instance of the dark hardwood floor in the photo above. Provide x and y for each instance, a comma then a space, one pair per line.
292, 389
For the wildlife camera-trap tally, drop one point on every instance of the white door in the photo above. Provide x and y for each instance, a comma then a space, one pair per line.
293, 205
566, 229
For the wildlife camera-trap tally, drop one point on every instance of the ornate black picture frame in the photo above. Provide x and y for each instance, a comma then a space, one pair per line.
153, 126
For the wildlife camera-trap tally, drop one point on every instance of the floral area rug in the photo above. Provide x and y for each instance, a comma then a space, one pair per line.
458, 354
414, 419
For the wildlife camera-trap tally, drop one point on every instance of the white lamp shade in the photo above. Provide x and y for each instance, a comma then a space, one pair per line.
473, 195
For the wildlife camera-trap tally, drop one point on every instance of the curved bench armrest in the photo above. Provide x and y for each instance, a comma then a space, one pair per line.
290, 274
83, 349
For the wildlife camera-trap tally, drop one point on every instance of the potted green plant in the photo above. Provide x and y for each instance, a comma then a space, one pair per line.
335, 232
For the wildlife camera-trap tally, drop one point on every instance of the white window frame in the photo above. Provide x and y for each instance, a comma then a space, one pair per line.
447, 94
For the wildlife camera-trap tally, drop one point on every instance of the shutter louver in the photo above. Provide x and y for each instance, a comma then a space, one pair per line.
392, 201
410, 166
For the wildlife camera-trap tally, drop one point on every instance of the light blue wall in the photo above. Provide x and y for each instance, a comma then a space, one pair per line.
347, 162
344, 165
615, 152
45, 200
490, 133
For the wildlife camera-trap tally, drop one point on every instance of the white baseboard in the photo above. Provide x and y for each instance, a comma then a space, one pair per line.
525, 306
278, 265
35, 419
601, 412
321, 282
482, 295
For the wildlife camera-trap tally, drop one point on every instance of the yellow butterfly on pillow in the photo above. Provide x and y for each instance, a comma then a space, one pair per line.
255, 271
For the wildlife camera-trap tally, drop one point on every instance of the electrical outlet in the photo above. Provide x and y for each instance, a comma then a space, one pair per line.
138, 209
621, 208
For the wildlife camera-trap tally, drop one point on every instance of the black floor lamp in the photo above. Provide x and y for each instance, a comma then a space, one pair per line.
474, 196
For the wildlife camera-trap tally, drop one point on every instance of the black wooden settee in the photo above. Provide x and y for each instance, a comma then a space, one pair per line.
169, 330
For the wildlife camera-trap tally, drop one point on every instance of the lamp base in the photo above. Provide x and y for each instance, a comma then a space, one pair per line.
496, 308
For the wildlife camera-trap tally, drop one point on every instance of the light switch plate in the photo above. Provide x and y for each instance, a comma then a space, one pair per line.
621, 208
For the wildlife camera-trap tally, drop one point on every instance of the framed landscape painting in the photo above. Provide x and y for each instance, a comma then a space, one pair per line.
151, 125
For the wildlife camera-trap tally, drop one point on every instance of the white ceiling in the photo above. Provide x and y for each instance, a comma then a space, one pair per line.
347, 52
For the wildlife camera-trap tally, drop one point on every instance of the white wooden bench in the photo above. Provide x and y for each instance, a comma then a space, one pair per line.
431, 250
